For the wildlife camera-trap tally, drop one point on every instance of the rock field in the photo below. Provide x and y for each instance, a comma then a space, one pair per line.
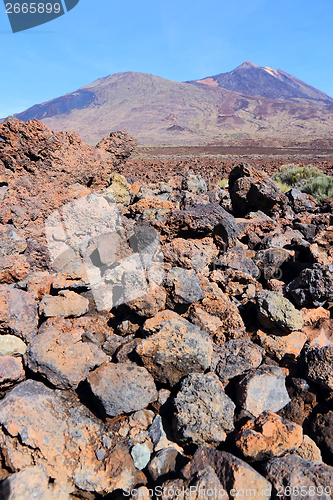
159, 339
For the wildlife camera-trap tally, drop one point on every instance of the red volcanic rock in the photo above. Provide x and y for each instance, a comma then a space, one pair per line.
44, 170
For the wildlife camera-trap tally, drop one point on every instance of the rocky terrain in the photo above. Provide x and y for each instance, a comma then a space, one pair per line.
250, 104
159, 338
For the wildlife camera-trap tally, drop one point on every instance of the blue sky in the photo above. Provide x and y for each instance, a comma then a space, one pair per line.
179, 40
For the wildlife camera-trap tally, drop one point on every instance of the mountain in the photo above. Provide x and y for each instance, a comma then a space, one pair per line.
157, 111
251, 79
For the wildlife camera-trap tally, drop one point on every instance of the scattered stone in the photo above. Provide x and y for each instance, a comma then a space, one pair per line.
119, 189
269, 261
203, 412
291, 473
194, 183
176, 349
66, 304
158, 436
236, 357
268, 436
313, 287
151, 303
122, 387
10, 345
236, 258
141, 455
321, 431
274, 310
301, 202
190, 253
263, 389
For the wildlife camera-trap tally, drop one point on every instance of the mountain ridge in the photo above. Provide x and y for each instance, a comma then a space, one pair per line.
157, 111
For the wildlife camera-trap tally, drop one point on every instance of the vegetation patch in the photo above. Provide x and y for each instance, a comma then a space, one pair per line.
308, 179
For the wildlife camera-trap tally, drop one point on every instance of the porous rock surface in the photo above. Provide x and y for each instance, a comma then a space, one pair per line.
172, 333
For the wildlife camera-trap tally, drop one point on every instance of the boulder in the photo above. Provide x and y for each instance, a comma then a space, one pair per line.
18, 313
301, 202
203, 412
12, 241
236, 357
194, 254
66, 304
162, 463
251, 190
176, 349
11, 371
237, 477
292, 474
270, 260
119, 189
263, 389
313, 287
13, 268
183, 287
274, 310
317, 363
268, 436
122, 387
60, 354
280, 347
194, 183
54, 430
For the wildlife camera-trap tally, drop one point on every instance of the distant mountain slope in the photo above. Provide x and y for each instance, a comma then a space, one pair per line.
251, 79
157, 111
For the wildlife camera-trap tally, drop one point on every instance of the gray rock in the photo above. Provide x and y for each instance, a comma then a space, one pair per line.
11, 241
176, 349
313, 287
158, 436
317, 365
203, 412
141, 455
194, 183
122, 388
236, 259
183, 286
236, 357
232, 473
292, 473
301, 202
59, 354
270, 260
163, 463
263, 389
274, 310
18, 313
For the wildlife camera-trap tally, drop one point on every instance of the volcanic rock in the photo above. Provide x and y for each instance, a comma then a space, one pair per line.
163, 463
59, 354
11, 371
274, 310
233, 473
12, 241
263, 389
301, 202
18, 313
13, 268
313, 287
291, 473
176, 349
268, 436
190, 253
317, 364
279, 347
204, 413
66, 304
321, 431
183, 287
194, 183
10, 345
236, 357
122, 387
38, 429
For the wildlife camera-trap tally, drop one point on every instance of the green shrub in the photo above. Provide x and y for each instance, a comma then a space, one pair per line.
308, 179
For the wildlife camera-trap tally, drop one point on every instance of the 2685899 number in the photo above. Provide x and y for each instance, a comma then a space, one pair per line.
33, 8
